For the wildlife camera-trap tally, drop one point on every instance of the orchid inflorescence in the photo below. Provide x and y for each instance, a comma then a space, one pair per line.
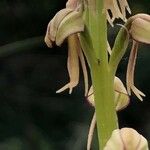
70, 23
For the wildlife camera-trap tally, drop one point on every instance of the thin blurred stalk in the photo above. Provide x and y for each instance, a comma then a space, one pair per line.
20, 46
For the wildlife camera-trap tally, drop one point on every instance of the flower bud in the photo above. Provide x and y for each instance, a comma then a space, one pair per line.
121, 96
126, 139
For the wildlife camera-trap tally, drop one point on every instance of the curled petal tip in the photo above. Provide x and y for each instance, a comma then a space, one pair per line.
138, 93
69, 86
48, 42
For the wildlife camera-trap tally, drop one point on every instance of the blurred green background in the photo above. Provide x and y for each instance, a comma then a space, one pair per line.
32, 116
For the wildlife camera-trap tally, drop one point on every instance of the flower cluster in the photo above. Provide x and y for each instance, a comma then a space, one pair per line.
68, 24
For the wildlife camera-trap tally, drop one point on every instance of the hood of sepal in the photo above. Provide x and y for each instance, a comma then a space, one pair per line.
72, 23
140, 30
53, 26
57, 19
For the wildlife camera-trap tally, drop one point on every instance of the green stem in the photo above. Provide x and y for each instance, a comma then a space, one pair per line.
94, 44
102, 79
103, 84
20, 46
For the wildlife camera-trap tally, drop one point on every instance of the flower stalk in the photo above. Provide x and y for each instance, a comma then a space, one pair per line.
94, 39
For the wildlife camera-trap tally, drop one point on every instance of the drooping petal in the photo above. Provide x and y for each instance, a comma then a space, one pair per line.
72, 64
126, 139
130, 72
72, 23
83, 64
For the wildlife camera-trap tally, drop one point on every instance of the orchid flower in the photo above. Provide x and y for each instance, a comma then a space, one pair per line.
66, 24
126, 139
140, 32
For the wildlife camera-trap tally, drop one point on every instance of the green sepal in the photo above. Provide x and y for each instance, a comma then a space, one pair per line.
119, 49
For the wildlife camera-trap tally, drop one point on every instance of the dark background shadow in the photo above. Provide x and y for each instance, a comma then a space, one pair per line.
32, 116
